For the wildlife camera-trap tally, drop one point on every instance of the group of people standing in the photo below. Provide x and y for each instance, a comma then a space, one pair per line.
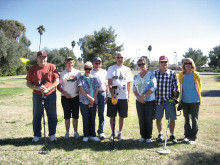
97, 87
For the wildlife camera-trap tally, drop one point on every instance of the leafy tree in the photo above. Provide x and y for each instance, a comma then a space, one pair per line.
149, 49
10, 52
101, 44
13, 29
214, 56
197, 57
40, 29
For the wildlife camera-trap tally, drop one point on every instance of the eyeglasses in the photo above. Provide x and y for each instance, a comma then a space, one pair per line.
98, 63
163, 62
119, 57
141, 64
187, 63
88, 69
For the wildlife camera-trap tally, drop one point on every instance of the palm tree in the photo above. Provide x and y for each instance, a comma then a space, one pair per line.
73, 43
149, 49
40, 29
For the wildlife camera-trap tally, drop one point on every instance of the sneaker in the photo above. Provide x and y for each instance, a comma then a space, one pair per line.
36, 139
102, 136
160, 137
186, 140
112, 137
85, 139
52, 138
76, 135
148, 140
95, 139
66, 135
192, 142
173, 139
142, 140
120, 137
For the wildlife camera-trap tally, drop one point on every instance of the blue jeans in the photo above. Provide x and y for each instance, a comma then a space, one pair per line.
51, 111
101, 111
88, 115
145, 114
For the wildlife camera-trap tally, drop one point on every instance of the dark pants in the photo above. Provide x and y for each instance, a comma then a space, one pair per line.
51, 110
145, 114
191, 110
88, 115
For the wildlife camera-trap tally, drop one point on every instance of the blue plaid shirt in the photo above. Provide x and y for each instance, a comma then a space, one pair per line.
166, 85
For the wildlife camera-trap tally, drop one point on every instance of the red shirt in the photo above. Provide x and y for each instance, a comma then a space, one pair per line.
48, 73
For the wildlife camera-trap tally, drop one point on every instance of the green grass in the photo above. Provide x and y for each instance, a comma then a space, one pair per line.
16, 133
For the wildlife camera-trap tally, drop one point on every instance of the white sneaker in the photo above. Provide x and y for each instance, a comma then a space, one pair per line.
102, 136
66, 135
191, 142
141, 140
36, 139
85, 139
148, 140
52, 138
76, 135
186, 140
94, 139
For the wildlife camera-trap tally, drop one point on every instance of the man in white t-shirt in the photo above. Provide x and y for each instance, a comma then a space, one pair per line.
70, 95
100, 75
120, 76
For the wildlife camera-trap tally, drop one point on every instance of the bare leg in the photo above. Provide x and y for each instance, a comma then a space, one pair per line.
121, 123
111, 123
172, 126
159, 125
67, 124
75, 125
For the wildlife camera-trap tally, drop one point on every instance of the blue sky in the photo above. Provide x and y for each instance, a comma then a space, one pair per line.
168, 25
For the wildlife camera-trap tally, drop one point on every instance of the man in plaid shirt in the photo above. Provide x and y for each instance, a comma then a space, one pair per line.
166, 89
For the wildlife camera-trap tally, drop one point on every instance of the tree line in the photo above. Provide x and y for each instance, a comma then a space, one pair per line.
14, 44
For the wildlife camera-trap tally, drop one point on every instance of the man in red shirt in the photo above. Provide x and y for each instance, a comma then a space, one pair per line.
43, 79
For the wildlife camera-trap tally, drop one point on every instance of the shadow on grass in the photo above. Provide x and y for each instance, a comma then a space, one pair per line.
211, 93
73, 144
199, 158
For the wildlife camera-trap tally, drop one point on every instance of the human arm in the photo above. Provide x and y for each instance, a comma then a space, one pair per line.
59, 87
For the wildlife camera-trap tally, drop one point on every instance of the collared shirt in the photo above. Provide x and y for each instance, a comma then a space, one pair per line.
142, 85
166, 85
89, 85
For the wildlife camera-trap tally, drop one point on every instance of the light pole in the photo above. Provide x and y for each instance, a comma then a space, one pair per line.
175, 58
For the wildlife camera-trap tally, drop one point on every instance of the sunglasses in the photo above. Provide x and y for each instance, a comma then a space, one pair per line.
163, 62
119, 57
98, 63
88, 69
141, 64
187, 63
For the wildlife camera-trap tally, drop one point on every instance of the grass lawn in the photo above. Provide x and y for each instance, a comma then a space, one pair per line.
16, 133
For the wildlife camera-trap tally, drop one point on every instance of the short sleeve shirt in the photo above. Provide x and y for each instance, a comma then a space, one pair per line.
120, 76
48, 74
69, 81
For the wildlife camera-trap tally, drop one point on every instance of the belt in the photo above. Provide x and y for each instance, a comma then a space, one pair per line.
101, 91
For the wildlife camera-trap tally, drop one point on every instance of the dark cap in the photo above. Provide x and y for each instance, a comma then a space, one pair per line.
97, 59
163, 58
41, 53
69, 58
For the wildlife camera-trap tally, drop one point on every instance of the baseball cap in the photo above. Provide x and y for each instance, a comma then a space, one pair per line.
69, 58
41, 53
97, 59
163, 58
